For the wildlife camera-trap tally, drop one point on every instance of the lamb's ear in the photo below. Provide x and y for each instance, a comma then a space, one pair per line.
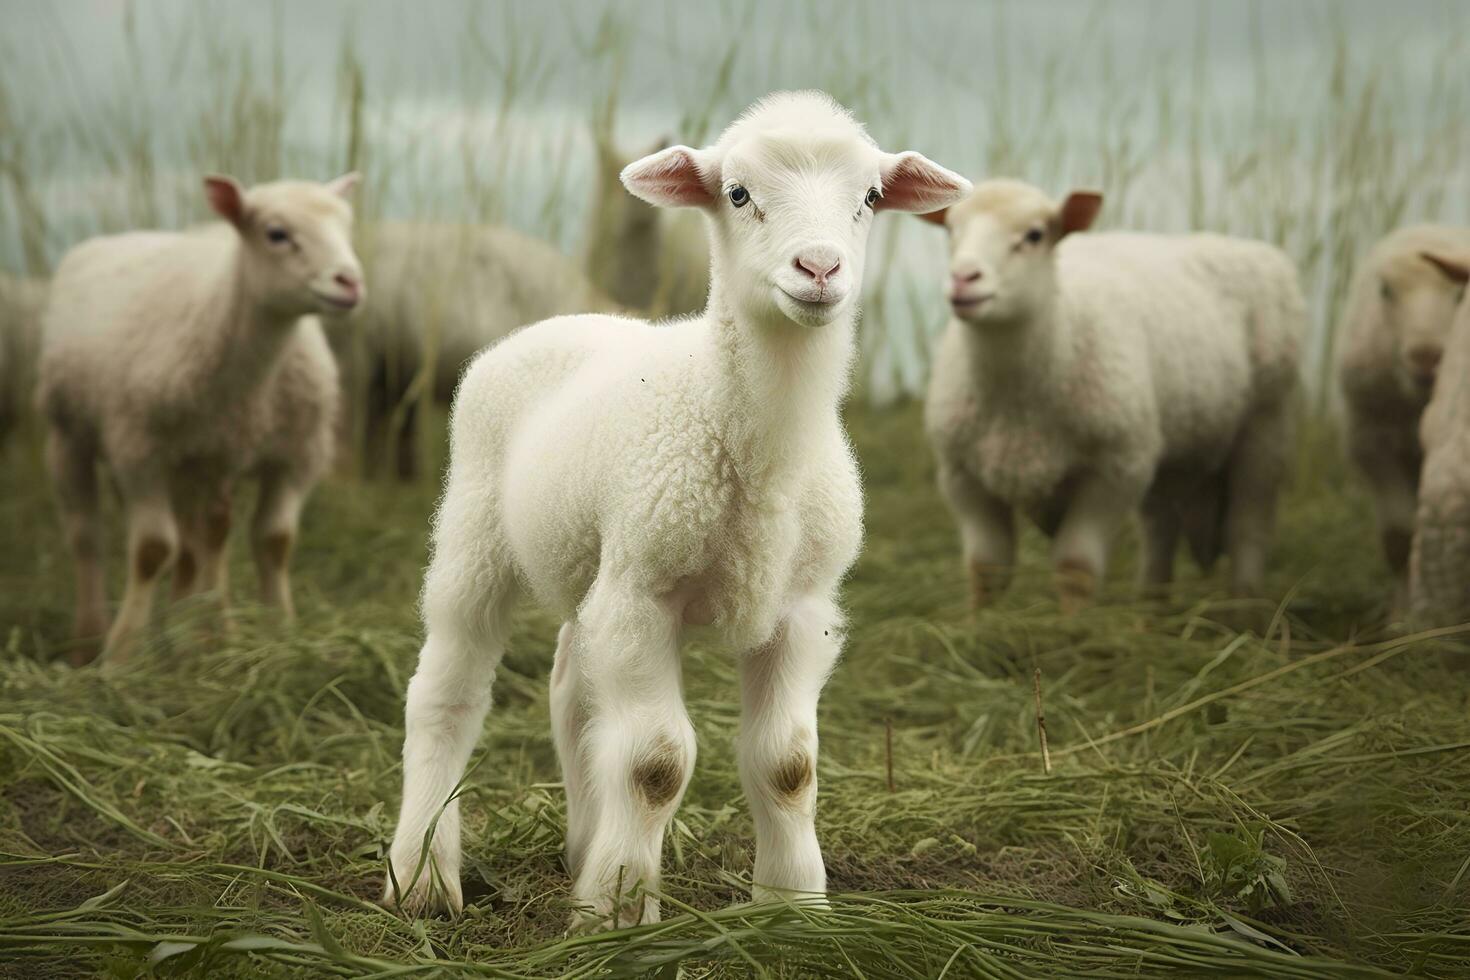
227, 198
344, 185
939, 217
1456, 268
1078, 212
672, 178
914, 183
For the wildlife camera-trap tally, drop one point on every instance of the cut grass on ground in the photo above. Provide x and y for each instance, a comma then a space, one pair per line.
1296, 805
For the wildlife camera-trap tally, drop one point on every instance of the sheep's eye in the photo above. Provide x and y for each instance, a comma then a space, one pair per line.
277, 235
1034, 236
872, 199
1385, 292
739, 196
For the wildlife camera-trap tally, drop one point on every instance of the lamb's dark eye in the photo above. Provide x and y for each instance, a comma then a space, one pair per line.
872, 199
277, 235
1385, 292
739, 196
1034, 236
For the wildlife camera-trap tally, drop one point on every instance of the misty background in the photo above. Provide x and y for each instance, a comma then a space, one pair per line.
1316, 125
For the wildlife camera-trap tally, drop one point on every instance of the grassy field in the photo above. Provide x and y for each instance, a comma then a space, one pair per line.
1223, 803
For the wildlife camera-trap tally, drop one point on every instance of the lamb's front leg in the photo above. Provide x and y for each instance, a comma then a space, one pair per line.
987, 533
639, 749
1098, 507
780, 685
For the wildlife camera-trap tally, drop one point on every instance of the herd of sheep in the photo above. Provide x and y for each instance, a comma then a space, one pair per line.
644, 480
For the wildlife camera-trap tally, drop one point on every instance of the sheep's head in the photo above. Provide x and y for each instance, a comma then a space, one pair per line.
1002, 245
297, 237
790, 189
1417, 295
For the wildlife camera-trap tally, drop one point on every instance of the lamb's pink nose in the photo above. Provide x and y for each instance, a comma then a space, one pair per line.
351, 285
819, 263
969, 275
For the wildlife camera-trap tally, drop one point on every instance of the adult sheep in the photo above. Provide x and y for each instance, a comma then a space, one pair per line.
442, 293
21, 301
1439, 563
1083, 377
1393, 332
185, 362
640, 479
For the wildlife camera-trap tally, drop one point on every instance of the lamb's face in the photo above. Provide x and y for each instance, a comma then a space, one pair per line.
791, 189
1002, 243
298, 236
1417, 298
792, 219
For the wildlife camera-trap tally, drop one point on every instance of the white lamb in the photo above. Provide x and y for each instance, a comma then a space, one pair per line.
185, 361
442, 293
647, 259
21, 301
1083, 378
1392, 337
1439, 565
640, 478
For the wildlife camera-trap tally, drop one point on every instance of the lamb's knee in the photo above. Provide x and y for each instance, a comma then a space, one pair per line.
792, 776
274, 547
659, 774
152, 555
217, 524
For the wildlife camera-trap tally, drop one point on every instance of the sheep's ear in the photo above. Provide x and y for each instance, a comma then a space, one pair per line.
1457, 269
344, 185
914, 183
227, 198
672, 178
939, 217
1078, 212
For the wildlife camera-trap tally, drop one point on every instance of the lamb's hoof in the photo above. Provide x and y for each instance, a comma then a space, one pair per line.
428, 897
1076, 586
633, 911
765, 895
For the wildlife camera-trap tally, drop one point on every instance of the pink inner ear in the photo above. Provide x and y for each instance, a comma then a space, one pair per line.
912, 182
1456, 270
669, 178
1079, 211
225, 197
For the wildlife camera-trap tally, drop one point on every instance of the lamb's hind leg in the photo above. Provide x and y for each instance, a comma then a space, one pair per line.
273, 535
639, 746
468, 594
1160, 520
780, 685
73, 469
1256, 470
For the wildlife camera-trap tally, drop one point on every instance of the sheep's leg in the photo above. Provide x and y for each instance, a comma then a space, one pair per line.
153, 544
1395, 487
780, 684
468, 595
1256, 469
568, 720
273, 535
1080, 552
1161, 528
639, 745
407, 443
987, 534
74, 474
187, 513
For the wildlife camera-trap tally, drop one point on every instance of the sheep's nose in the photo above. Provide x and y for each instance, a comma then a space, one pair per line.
962, 276
351, 284
819, 263
1425, 358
